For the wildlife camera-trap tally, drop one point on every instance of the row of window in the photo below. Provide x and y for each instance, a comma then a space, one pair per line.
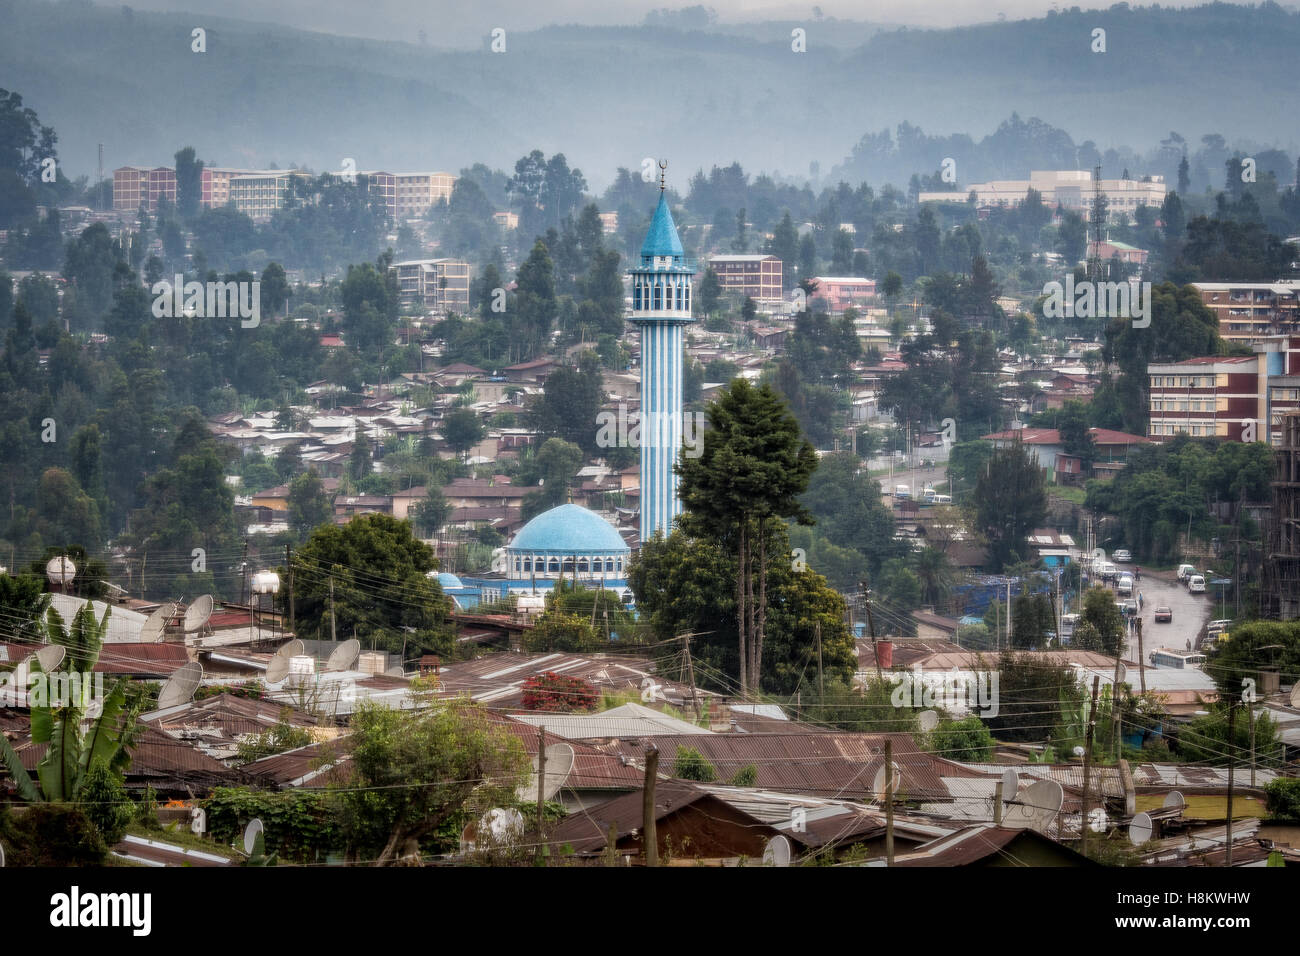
656, 293
1207, 405
1182, 381
1206, 430
552, 566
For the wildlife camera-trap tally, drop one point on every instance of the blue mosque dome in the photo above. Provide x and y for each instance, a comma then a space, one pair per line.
662, 239
446, 581
566, 540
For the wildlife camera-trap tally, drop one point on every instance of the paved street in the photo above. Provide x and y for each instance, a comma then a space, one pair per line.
1190, 611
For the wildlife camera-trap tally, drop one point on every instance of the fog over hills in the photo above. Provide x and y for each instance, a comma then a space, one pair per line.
607, 96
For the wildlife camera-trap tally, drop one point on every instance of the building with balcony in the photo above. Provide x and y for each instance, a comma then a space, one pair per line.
136, 186
435, 285
759, 277
1252, 311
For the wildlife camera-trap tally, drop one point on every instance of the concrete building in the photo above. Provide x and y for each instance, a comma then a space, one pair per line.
1069, 188
758, 277
259, 194
1250, 311
1240, 397
409, 195
661, 309
435, 285
837, 293
134, 186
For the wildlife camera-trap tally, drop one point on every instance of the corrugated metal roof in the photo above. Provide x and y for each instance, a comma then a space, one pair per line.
626, 720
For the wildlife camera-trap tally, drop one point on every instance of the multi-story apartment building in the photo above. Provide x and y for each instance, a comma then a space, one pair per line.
1252, 311
259, 194
1239, 398
410, 195
134, 186
436, 285
837, 293
758, 277
1070, 188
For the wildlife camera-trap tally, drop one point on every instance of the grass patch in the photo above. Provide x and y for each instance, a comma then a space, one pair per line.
1075, 496
180, 835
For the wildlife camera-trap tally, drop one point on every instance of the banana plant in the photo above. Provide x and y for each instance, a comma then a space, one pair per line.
74, 740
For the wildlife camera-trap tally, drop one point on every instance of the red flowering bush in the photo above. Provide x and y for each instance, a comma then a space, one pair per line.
554, 693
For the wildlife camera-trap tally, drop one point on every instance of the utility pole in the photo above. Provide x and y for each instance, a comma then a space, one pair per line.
541, 784
1142, 664
690, 672
1087, 765
997, 804
1232, 759
821, 685
288, 563
333, 633
650, 840
1250, 713
889, 801
1114, 704
871, 626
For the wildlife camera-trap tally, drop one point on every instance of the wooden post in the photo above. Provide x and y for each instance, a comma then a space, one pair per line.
1142, 668
1087, 764
871, 626
690, 670
821, 684
649, 838
541, 782
288, 562
997, 804
333, 633
889, 802
1232, 759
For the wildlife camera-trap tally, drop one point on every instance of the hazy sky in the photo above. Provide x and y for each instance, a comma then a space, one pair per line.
459, 23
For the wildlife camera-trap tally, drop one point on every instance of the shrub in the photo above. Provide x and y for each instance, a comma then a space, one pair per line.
1284, 799
556, 693
107, 805
691, 765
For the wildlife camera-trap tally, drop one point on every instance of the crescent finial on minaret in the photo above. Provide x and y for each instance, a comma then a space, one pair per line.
663, 170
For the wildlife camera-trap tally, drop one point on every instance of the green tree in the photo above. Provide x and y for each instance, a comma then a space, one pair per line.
556, 465
23, 603
967, 739
708, 294
752, 469
415, 772
693, 765
309, 506
1101, 613
189, 187
1010, 500
462, 430
569, 404
381, 586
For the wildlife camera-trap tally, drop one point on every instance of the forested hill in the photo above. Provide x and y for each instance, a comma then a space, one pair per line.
610, 96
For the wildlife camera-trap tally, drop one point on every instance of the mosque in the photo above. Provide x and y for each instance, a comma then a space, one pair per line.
569, 540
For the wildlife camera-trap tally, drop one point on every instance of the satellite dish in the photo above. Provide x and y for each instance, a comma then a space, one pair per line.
1140, 829
198, 821
1123, 672
197, 614
777, 851
1036, 808
1097, 820
2, 854
559, 764
180, 687
250, 834
1079, 751
1295, 695
498, 826
1174, 798
395, 671
154, 626
60, 570
1010, 783
929, 720
344, 656
650, 690
51, 656
278, 669
878, 785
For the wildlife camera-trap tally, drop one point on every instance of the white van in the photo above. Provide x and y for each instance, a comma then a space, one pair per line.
902, 491
1196, 584
1185, 571
1124, 585
942, 500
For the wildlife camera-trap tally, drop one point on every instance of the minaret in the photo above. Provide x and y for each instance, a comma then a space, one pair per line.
661, 307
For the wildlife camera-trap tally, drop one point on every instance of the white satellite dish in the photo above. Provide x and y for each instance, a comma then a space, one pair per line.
1140, 829
51, 656
344, 656
650, 691
928, 720
395, 671
250, 834
1097, 820
60, 570
1295, 695
1174, 798
497, 826
878, 784
559, 764
1079, 751
198, 821
152, 630
197, 614
1036, 808
777, 852
1123, 672
1010, 783
278, 668
180, 687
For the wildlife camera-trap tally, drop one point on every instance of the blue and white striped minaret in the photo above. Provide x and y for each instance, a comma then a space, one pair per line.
661, 306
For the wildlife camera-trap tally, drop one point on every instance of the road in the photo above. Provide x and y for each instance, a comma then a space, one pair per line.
1191, 611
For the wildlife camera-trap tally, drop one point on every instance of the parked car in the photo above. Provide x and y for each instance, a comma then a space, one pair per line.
1185, 571
1123, 556
1164, 615
1124, 586
1196, 584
